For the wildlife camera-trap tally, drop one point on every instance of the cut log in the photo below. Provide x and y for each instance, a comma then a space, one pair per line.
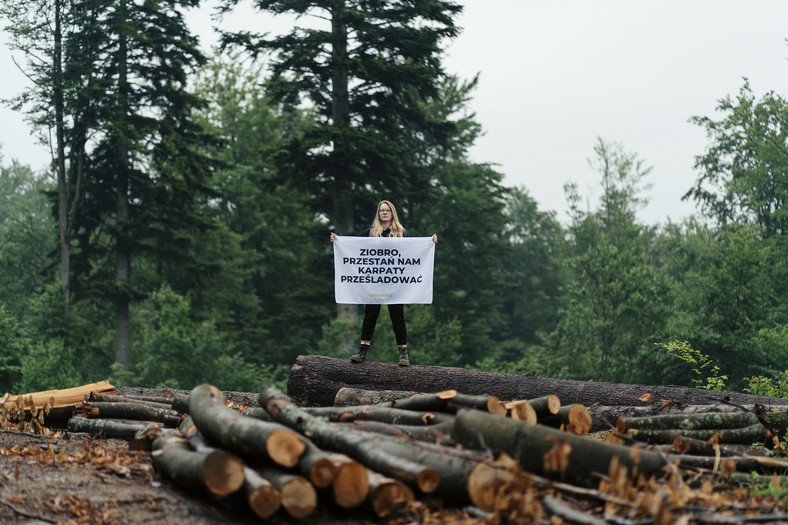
706, 420
315, 380
386, 495
350, 486
215, 472
548, 452
572, 418
129, 411
484, 482
243, 435
353, 444
108, 428
521, 410
744, 436
697, 447
348, 397
546, 406
261, 495
440, 434
316, 465
449, 401
298, 496
94, 397
57, 398
384, 414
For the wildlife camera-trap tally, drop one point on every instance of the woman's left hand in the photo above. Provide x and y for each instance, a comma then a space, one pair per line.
435, 238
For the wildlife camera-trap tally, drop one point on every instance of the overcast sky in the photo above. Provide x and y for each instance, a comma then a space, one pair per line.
555, 75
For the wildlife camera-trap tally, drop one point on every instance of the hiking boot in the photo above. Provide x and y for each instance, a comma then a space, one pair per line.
403, 357
361, 355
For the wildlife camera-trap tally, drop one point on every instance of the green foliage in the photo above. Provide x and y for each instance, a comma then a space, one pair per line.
706, 372
49, 365
172, 349
14, 344
769, 387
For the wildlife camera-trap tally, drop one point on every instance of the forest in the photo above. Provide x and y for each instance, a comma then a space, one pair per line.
180, 234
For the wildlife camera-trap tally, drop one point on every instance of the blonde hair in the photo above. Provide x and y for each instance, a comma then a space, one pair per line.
395, 228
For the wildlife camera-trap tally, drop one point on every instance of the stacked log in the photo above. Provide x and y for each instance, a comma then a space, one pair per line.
468, 448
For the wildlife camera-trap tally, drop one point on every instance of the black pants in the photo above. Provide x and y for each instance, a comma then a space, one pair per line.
397, 314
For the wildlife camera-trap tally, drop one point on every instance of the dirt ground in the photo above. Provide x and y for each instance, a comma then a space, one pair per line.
78, 479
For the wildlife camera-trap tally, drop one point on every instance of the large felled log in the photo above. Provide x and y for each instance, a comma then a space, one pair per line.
315, 380
353, 444
552, 453
214, 472
241, 434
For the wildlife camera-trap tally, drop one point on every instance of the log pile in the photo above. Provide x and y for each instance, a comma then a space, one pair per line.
518, 461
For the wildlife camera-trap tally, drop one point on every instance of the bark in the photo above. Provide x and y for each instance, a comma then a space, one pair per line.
244, 435
706, 420
744, 436
134, 411
316, 465
572, 418
261, 495
546, 406
394, 416
94, 397
107, 428
386, 495
298, 496
315, 381
347, 397
353, 444
551, 453
212, 472
440, 434
450, 401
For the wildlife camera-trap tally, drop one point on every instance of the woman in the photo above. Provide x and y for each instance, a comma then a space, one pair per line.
386, 224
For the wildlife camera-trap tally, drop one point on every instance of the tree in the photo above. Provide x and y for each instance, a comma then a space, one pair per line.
365, 71
614, 313
744, 173
144, 175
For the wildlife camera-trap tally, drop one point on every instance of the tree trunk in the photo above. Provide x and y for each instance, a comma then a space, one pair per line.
354, 444
315, 381
548, 452
122, 234
244, 435
215, 472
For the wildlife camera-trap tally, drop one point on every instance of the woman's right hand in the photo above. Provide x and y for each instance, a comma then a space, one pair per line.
332, 237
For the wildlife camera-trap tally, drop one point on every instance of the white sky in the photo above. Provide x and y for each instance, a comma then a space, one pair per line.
557, 74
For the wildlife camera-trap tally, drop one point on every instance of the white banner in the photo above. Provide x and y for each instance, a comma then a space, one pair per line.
383, 270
